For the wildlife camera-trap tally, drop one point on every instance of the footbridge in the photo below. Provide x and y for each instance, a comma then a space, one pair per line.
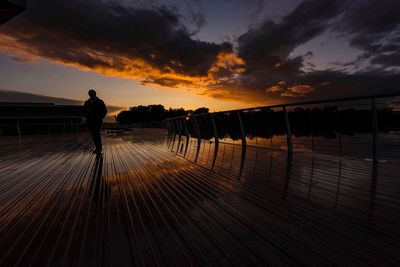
314, 184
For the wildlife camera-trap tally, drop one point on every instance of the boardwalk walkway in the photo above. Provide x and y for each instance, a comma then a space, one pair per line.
142, 204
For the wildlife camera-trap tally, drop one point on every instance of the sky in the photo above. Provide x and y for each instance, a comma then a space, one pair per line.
222, 54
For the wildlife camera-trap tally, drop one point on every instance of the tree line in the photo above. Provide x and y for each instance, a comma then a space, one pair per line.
152, 113
326, 122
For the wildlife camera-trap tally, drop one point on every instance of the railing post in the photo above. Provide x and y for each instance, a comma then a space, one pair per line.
187, 136
173, 133
18, 129
288, 173
178, 125
312, 131
338, 182
288, 133
374, 130
216, 141
374, 180
244, 144
197, 125
269, 125
374, 156
168, 132
338, 118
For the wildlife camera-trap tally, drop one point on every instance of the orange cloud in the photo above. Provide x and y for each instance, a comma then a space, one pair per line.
156, 46
298, 90
275, 89
225, 68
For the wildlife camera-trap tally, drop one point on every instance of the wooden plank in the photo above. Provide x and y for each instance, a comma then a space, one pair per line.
142, 204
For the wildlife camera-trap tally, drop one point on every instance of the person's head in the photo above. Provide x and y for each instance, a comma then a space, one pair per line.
92, 93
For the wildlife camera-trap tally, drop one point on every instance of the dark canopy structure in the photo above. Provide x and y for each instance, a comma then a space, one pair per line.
39, 118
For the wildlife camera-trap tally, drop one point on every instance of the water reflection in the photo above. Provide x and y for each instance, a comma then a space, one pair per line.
338, 183
100, 190
327, 122
327, 154
288, 173
374, 180
342, 129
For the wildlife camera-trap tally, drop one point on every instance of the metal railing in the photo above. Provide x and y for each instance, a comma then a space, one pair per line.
365, 127
28, 128
149, 124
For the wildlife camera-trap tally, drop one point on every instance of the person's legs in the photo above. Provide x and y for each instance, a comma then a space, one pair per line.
94, 130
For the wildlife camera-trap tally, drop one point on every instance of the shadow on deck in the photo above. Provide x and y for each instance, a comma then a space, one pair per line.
143, 204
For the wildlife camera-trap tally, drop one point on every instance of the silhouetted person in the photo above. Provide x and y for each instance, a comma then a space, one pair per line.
95, 111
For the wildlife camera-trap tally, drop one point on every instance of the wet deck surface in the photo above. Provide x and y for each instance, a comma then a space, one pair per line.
142, 204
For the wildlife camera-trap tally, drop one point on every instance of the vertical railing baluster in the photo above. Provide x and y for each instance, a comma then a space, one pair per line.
374, 129
374, 156
288, 133
18, 129
187, 135
312, 131
216, 140
339, 125
288, 173
173, 133
244, 144
178, 125
196, 123
268, 117
169, 132
338, 182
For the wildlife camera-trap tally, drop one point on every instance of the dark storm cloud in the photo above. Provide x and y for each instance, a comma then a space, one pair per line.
156, 45
373, 26
390, 60
270, 70
369, 17
271, 42
273, 72
197, 19
98, 34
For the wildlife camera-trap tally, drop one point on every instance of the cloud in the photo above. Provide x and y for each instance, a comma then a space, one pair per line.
275, 89
267, 50
153, 45
270, 42
297, 90
373, 27
388, 60
156, 45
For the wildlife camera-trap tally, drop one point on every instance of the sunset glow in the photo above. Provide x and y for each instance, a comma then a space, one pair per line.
154, 54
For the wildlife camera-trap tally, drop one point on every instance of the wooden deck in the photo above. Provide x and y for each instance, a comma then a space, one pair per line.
142, 204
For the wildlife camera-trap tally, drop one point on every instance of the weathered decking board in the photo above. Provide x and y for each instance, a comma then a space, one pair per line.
143, 204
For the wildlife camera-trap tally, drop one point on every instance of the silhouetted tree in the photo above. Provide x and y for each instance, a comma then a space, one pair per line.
152, 113
202, 110
326, 122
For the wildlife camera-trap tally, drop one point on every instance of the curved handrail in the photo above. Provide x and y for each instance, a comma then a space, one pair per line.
322, 101
202, 136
